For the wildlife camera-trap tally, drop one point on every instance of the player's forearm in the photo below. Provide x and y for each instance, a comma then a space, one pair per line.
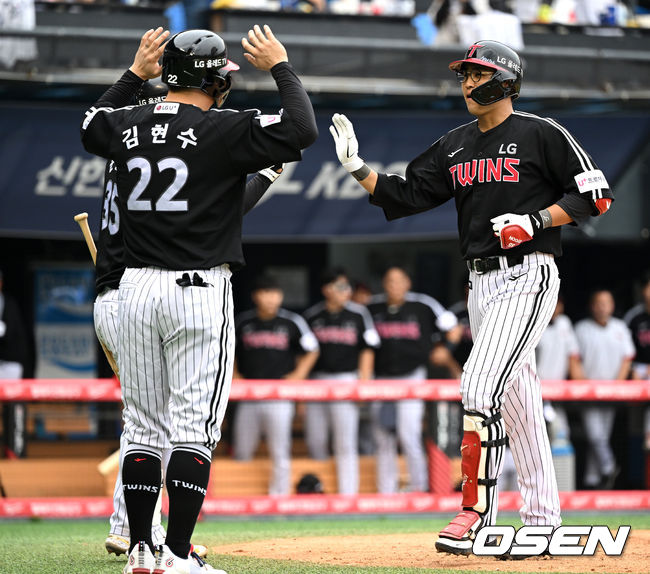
366, 364
296, 103
624, 371
575, 369
121, 92
558, 216
370, 182
304, 365
255, 189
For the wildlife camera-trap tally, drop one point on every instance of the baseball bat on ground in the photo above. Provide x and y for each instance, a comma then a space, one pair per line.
82, 220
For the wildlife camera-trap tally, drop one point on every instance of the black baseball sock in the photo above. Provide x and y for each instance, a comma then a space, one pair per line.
188, 473
141, 480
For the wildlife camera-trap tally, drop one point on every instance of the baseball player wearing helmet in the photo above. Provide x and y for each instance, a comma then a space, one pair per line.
181, 174
135, 87
515, 178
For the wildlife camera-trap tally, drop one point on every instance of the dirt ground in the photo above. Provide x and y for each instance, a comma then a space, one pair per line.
418, 551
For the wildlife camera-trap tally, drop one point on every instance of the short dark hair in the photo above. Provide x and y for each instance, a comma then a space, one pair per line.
398, 267
266, 282
332, 274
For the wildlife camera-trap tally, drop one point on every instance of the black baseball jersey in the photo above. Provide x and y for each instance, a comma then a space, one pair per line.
407, 332
268, 349
523, 165
341, 336
638, 321
181, 173
110, 252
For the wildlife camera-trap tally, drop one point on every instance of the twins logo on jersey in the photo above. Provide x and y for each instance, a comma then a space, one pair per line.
399, 330
344, 335
485, 171
266, 340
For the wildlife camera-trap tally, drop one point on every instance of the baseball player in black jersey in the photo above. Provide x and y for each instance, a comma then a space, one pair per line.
638, 321
272, 343
346, 337
515, 179
409, 325
181, 173
110, 264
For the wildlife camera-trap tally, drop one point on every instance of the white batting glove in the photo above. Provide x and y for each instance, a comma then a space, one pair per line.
272, 173
347, 146
512, 229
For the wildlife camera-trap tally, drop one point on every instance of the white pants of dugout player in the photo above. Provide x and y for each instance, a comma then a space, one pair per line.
342, 419
106, 318
175, 355
273, 420
408, 431
508, 310
598, 423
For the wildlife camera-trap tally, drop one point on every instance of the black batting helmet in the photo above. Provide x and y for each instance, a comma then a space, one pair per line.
197, 59
508, 71
151, 92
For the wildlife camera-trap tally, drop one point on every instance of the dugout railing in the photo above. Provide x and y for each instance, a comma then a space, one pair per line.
108, 391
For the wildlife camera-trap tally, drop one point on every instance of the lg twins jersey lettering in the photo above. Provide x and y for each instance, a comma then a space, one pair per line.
175, 216
341, 336
267, 349
524, 164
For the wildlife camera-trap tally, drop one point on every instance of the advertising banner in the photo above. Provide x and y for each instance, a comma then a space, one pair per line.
47, 177
65, 336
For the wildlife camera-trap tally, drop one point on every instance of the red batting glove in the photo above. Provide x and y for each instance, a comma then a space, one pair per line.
512, 229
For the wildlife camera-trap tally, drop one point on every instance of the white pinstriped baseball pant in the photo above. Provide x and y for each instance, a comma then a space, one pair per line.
508, 310
106, 317
176, 355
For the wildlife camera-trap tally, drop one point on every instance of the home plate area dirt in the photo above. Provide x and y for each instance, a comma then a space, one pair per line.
418, 551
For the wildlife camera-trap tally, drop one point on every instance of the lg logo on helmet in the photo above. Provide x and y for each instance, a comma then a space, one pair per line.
537, 540
216, 63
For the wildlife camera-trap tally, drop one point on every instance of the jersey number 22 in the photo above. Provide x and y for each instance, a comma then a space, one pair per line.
166, 201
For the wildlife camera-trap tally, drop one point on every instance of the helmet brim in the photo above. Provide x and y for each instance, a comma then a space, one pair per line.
455, 66
230, 67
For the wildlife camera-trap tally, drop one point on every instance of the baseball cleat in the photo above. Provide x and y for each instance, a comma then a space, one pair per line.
168, 563
200, 550
508, 556
458, 536
141, 560
459, 547
116, 544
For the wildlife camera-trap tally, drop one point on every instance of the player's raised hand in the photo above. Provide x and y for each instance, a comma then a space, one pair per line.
152, 44
512, 229
263, 49
347, 146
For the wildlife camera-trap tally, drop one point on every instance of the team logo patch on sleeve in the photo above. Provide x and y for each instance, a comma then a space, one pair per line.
266, 120
166, 108
591, 180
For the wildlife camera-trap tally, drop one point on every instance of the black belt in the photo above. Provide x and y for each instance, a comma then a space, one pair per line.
484, 264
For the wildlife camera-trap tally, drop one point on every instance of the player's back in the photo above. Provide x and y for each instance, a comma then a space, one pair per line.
181, 199
181, 177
